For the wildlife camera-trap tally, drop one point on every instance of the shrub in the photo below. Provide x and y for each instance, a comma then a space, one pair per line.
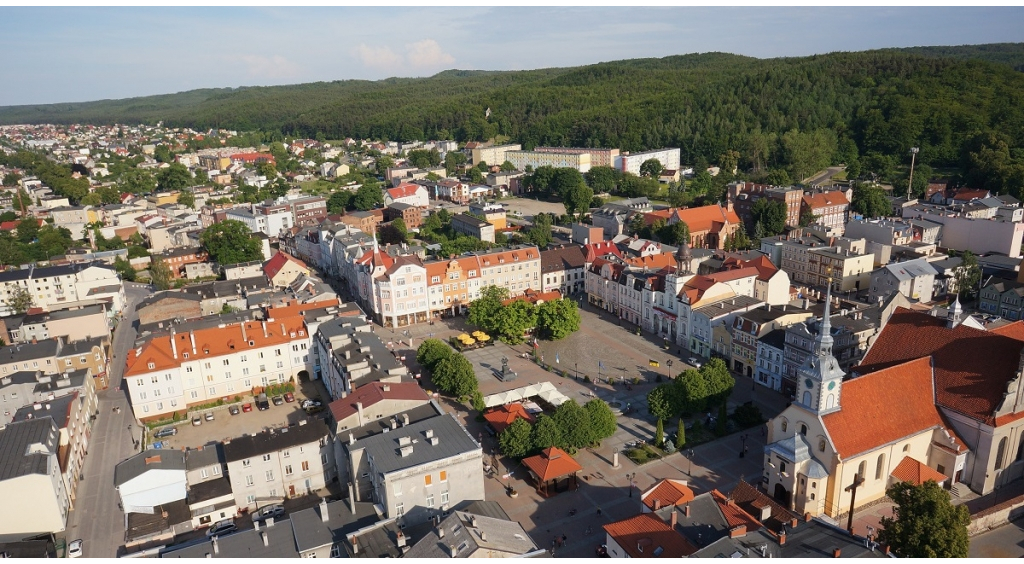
586, 379
636, 379
748, 415
611, 380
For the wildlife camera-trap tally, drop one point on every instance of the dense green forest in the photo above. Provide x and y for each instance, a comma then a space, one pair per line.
961, 105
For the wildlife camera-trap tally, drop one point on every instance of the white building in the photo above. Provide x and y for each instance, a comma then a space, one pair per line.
150, 479
31, 485
57, 287
630, 162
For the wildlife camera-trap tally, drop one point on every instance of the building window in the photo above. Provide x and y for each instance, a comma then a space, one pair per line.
880, 466
427, 480
249, 481
288, 470
270, 475
444, 476
250, 499
862, 470
444, 498
400, 510
266, 458
1001, 454
286, 453
305, 465
246, 463
430, 500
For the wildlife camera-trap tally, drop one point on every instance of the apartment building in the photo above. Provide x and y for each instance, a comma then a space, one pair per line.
31, 483
407, 193
400, 293
563, 269
980, 235
598, 157
553, 158
350, 355
746, 194
474, 227
453, 284
57, 287
278, 464
750, 327
491, 212
208, 488
811, 260
914, 279
830, 209
493, 155
453, 191
1004, 298
373, 401
630, 162
72, 324
411, 215
169, 373
365, 221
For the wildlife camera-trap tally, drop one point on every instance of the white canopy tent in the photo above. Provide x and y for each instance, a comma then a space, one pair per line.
544, 390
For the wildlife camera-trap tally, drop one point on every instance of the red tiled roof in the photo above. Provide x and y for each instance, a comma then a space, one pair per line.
294, 309
734, 515
734, 274
535, 297
867, 418
1013, 330
653, 261
404, 190
503, 416
916, 472
552, 463
971, 384
642, 535
277, 262
667, 492
823, 199
970, 194
600, 249
704, 218
375, 392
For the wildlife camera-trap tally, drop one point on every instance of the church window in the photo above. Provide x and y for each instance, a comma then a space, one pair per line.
785, 425
807, 399
880, 466
812, 497
803, 429
830, 402
821, 444
1001, 454
862, 469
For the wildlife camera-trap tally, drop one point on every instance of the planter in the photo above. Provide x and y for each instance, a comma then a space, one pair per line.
513, 494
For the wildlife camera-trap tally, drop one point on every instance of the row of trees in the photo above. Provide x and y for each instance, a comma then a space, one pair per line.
450, 371
555, 319
571, 427
692, 391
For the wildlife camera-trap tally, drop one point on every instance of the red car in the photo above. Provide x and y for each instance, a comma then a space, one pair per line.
289, 397
247, 408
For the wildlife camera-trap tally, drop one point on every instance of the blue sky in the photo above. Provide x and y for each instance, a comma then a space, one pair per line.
79, 54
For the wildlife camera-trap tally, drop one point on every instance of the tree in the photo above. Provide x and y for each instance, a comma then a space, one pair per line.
870, 201
514, 320
771, 214
718, 381
701, 184
477, 400
675, 233
383, 163
924, 523
651, 168
721, 424
11, 179
19, 300
201, 176
432, 224
778, 177
516, 441
601, 418
540, 233
267, 170
432, 351
807, 217
160, 274
507, 167
577, 199
475, 176
230, 242
573, 421
187, 199
369, 195
454, 376
174, 178
484, 311
659, 433
393, 233
545, 433
339, 201
557, 319
680, 434
28, 230
659, 402
162, 154
967, 275
691, 390
602, 179
453, 160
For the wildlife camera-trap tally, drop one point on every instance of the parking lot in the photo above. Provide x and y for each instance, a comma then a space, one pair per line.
225, 426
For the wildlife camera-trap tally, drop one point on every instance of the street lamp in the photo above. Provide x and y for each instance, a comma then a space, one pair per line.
630, 477
689, 457
576, 368
669, 364
910, 182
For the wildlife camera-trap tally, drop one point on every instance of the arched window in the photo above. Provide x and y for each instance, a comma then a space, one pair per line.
830, 401
785, 425
862, 469
807, 399
821, 444
880, 466
1001, 454
803, 429
1020, 448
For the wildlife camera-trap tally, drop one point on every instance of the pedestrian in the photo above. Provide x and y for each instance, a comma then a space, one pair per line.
564, 538
598, 510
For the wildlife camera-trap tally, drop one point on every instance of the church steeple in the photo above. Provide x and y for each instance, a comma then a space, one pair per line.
820, 379
955, 313
683, 259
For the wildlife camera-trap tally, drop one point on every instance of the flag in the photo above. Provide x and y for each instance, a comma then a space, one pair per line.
654, 363
557, 360
535, 345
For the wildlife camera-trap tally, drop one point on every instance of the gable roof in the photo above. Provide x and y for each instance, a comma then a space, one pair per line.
599, 249
404, 190
504, 415
372, 393
273, 440
971, 384
752, 500
643, 535
823, 199
866, 419
552, 463
277, 262
129, 469
916, 472
667, 492
562, 258
705, 218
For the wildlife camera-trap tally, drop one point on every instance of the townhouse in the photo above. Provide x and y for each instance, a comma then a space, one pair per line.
72, 324
750, 327
350, 355
830, 209
562, 269
31, 483
415, 195
914, 279
56, 287
208, 489
170, 373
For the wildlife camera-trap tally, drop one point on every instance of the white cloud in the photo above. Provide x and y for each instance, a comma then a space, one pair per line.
427, 53
421, 55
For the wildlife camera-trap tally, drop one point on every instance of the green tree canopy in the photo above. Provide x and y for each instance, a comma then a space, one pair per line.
454, 376
557, 319
383, 163
651, 168
545, 433
967, 275
577, 199
771, 214
603, 179
160, 274
870, 201
484, 311
924, 523
187, 199
575, 425
339, 201
230, 242
601, 418
659, 402
674, 233
691, 391
718, 380
19, 300
516, 440
174, 178
432, 351
369, 195
514, 320
28, 229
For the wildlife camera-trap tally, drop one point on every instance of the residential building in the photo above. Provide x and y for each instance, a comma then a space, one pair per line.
884, 231
612, 217
453, 284
646, 536
365, 221
476, 228
375, 400
283, 269
410, 215
1004, 298
350, 355
493, 155
630, 162
150, 479
453, 191
467, 535
171, 372
416, 481
980, 235
710, 226
750, 327
243, 270
57, 287
31, 480
178, 259
745, 194
209, 495
706, 319
279, 464
73, 324
562, 269
828, 208
320, 531
74, 219
554, 158
400, 293
771, 351
491, 212
852, 333
914, 279
598, 157
812, 259
415, 195
269, 541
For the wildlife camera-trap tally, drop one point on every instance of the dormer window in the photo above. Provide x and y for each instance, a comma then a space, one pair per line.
151, 365
184, 355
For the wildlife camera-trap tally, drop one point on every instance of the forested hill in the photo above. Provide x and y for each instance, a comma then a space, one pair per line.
882, 102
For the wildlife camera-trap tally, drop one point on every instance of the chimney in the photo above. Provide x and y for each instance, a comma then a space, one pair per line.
174, 344
737, 532
324, 516
887, 550
216, 547
472, 521
264, 329
675, 518
192, 338
452, 550
483, 536
807, 517
351, 439
400, 539
352, 497
793, 522
836, 552
244, 337
657, 504
359, 408
686, 510
766, 513
386, 388
782, 539
440, 532
405, 419
355, 544
266, 539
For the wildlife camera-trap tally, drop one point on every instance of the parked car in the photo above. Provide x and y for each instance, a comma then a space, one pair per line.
261, 402
246, 408
289, 397
197, 420
306, 404
278, 400
75, 548
222, 528
274, 511
693, 361
166, 432
208, 416
233, 410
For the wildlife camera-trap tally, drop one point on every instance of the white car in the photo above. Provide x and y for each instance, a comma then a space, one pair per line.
75, 548
693, 361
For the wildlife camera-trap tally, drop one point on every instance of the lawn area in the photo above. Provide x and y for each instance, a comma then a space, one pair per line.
317, 186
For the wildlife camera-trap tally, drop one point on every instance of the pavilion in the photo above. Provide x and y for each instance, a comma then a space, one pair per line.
502, 416
549, 467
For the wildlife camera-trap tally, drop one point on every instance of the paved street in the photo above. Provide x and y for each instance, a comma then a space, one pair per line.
96, 517
1005, 542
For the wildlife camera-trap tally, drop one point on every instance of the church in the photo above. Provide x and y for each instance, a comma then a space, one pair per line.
933, 399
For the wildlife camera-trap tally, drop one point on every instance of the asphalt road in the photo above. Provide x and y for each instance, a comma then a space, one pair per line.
96, 518
824, 176
1005, 542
